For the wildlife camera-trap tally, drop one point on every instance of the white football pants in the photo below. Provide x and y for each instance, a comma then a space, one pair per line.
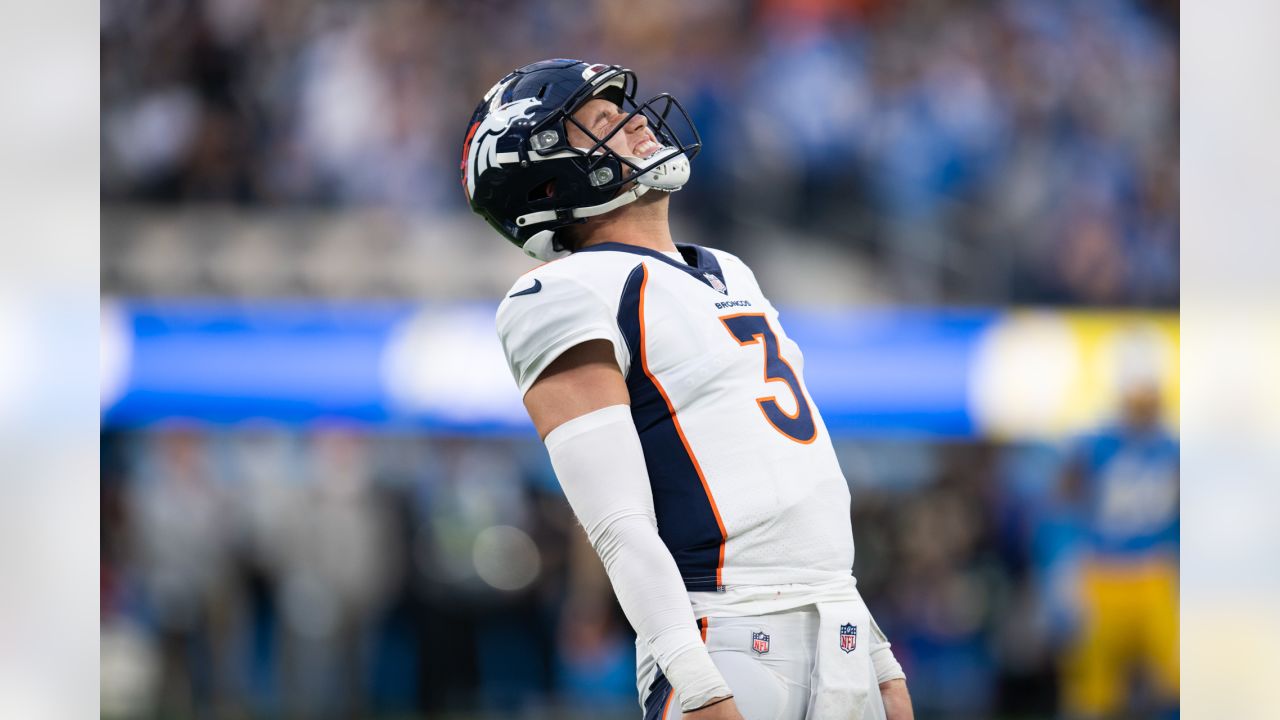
811, 663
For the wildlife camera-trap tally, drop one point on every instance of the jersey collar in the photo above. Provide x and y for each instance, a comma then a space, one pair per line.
704, 261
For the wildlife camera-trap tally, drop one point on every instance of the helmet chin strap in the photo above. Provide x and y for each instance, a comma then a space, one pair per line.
668, 176
616, 202
542, 245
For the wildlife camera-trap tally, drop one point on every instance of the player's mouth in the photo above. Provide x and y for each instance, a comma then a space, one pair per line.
647, 147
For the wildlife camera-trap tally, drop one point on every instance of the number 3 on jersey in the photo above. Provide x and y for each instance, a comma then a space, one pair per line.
749, 329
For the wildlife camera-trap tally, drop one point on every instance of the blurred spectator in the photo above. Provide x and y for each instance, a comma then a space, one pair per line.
337, 566
181, 556
1013, 151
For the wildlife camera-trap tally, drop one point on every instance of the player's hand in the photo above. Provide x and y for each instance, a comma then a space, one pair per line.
720, 710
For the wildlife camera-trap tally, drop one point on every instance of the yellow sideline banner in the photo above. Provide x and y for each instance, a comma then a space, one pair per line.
1049, 373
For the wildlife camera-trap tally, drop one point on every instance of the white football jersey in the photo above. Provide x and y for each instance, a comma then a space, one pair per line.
746, 486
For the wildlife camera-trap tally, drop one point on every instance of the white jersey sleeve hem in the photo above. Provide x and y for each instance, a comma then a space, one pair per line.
532, 370
536, 328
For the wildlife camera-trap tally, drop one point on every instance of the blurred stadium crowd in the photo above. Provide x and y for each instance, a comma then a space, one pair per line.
1022, 151
998, 153
335, 573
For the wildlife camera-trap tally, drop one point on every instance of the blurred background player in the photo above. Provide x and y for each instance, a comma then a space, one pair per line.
1123, 481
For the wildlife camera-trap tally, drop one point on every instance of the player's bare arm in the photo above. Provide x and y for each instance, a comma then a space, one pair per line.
897, 701
584, 379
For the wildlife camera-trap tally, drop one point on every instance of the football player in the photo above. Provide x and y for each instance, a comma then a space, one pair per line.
673, 407
1123, 479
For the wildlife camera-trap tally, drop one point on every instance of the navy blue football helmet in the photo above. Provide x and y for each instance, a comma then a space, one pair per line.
520, 173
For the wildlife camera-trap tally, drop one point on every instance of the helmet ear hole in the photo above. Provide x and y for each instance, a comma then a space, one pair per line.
542, 191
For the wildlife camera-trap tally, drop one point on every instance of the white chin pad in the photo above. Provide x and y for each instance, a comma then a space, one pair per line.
670, 175
542, 246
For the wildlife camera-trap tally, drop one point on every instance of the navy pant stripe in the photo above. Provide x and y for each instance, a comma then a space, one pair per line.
656, 702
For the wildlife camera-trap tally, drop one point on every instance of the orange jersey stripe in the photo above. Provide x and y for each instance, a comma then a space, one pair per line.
666, 707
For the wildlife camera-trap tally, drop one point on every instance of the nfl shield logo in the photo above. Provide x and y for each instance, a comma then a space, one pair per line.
716, 284
760, 642
848, 637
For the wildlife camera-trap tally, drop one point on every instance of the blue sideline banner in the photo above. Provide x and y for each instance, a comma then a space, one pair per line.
945, 373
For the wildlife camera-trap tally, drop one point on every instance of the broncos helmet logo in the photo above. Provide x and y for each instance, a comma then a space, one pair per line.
480, 149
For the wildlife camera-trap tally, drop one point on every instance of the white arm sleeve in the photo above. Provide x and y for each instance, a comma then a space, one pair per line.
601, 467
